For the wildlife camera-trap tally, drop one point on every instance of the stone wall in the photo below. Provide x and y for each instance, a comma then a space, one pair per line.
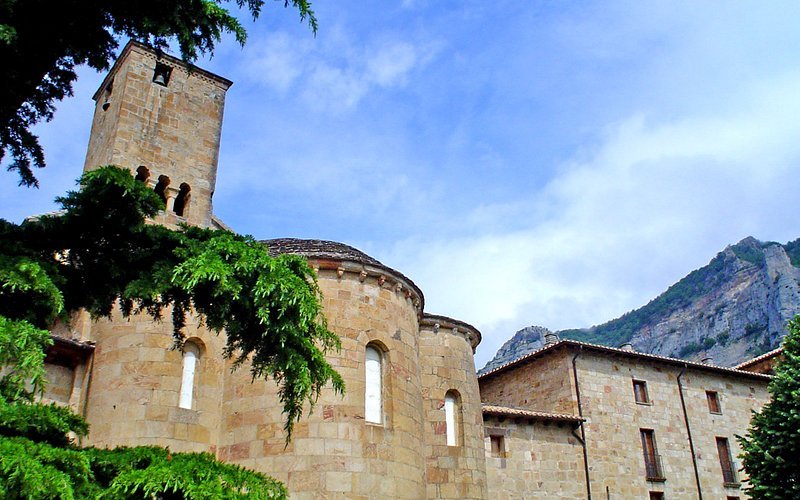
541, 384
173, 130
615, 420
135, 383
447, 365
334, 453
541, 460
60, 381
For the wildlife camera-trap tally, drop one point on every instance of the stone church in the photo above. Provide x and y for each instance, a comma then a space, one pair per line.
571, 420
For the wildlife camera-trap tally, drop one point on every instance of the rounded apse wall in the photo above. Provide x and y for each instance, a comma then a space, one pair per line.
454, 446
341, 447
134, 395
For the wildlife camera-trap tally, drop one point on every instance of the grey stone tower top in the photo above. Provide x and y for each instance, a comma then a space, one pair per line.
162, 119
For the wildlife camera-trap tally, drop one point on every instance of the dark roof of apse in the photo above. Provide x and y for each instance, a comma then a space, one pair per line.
320, 249
333, 250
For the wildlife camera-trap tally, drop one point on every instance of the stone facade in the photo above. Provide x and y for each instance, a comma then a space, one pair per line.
171, 129
539, 456
615, 420
432, 437
446, 347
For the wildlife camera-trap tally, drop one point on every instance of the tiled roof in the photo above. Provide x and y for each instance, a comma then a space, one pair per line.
622, 352
332, 250
68, 352
319, 249
758, 359
520, 412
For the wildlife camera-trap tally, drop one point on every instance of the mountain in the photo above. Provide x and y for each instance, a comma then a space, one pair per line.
730, 310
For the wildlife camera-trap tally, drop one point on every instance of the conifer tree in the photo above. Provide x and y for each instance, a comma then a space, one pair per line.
771, 448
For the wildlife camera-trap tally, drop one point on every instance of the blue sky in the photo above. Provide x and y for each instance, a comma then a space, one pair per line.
548, 163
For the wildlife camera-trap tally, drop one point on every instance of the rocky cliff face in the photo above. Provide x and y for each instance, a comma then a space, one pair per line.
734, 308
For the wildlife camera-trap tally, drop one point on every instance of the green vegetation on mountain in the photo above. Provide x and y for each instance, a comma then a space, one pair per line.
736, 307
793, 251
681, 294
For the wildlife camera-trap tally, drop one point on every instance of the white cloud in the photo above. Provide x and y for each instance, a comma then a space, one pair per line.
651, 203
334, 74
276, 61
391, 63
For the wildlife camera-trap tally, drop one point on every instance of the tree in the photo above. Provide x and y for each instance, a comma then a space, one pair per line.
42, 41
99, 252
771, 448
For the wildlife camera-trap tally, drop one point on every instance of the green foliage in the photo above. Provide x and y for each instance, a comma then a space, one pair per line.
100, 250
31, 470
749, 252
689, 349
39, 422
37, 461
679, 295
771, 448
152, 472
724, 337
793, 251
22, 347
41, 43
754, 329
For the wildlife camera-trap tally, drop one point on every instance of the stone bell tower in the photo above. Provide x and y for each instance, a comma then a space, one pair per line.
162, 119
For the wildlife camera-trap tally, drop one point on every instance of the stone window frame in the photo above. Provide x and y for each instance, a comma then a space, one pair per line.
182, 201
654, 470
375, 417
164, 71
642, 395
192, 349
714, 402
497, 445
730, 478
454, 419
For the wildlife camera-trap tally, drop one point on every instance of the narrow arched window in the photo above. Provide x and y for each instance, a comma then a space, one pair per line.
182, 200
452, 417
161, 187
142, 174
191, 353
373, 397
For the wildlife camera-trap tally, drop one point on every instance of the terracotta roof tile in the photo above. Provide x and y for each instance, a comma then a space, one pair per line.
623, 352
532, 414
758, 359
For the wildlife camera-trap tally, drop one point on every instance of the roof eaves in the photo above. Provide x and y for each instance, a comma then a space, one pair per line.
507, 411
634, 354
758, 359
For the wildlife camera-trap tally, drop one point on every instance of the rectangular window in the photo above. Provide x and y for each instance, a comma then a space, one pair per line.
652, 461
656, 495
640, 392
373, 394
729, 475
713, 402
498, 446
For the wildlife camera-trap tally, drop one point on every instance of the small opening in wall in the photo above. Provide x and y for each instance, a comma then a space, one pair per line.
142, 174
713, 402
498, 444
182, 200
161, 187
107, 95
161, 74
640, 392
